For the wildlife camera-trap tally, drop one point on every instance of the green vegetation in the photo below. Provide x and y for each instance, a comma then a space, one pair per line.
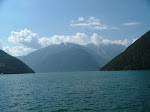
135, 57
12, 65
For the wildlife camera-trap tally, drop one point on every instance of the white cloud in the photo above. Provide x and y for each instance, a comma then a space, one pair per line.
85, 24
92, 23
30, 41
79, 38
130, 24
80, 19
26, 38
18, 50
118, 42
104, 27
44, 41
134, 40
98, 40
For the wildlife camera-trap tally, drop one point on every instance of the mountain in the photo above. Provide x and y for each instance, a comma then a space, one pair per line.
135, 57
12, 65
64, 58
107, 51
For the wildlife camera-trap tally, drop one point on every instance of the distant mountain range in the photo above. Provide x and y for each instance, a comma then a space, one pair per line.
70, 57
107, 51
135, 57
12, 65
62, 58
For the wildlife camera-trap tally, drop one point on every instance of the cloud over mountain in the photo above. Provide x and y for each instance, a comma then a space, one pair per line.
18, 50
32, 40
78, 38
25, 37
97, 40
28, 41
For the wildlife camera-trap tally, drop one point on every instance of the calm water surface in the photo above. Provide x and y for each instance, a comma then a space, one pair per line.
125, 91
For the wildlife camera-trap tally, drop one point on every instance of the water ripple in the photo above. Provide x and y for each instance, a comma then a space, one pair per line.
125, 91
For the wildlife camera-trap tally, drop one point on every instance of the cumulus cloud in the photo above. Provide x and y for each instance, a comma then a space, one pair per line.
130, 24
31, 40
119, 42
81, 39
98, 40
26, 38
28, 41
92, 23
80, 19
18, 50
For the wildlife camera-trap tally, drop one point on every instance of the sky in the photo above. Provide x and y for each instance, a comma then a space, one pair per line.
28, 25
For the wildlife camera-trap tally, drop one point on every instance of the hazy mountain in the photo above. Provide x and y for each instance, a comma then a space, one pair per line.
64, 57
12, 65
107, 51
135, 57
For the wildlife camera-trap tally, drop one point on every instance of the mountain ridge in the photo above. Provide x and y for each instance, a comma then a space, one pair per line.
72, 57
12, 65
135, 57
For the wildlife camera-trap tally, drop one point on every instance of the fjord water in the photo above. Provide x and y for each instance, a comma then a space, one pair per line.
117, 91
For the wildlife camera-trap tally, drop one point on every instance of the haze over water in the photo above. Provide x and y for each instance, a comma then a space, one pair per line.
122, 91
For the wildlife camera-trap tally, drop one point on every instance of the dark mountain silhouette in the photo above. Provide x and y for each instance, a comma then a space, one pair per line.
135, 57
12, 65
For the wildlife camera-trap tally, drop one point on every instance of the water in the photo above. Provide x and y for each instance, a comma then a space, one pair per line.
125, 91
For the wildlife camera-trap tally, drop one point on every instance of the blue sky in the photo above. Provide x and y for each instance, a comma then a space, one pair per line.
109, 19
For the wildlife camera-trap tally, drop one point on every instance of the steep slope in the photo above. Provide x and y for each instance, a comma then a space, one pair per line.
63, 57
11, 65
135, 57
